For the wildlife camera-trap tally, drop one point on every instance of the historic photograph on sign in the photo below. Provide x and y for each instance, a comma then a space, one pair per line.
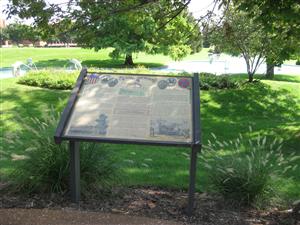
133, 107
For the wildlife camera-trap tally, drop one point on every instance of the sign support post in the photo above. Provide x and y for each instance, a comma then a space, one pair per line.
192, 183
74, 171
196, 146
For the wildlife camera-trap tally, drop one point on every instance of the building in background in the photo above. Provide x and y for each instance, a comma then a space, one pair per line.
4, 43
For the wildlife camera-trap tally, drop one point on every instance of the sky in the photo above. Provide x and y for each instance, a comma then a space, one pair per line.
197, 7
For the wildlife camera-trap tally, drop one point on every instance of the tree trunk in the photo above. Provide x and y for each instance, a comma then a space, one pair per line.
250, 76
270, 71
128, 60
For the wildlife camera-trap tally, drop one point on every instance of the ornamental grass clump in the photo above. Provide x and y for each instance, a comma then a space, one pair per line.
242, 169
43, 166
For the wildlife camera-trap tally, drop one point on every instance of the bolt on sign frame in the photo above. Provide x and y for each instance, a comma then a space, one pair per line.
88, 99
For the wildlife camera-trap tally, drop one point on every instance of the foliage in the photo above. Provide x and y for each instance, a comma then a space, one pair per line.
44, 165
138, 30
61, 31
4, 36
274, 17
126, 26
18, 32
62, 80
210, 81
51, 79
241, 170
240, 34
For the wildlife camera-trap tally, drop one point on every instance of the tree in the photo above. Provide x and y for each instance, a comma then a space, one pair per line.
17, 32
4, 36
273, 15
32, 34
61, 31
152, 26
239, 35
281, 23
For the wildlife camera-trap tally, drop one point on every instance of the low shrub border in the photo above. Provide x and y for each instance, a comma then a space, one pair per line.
64, 80
52, 79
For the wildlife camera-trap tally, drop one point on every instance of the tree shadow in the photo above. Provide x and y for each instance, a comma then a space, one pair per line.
273, 113
277, 77
19, 105
52, 63
256, 104
108, 63
117, 63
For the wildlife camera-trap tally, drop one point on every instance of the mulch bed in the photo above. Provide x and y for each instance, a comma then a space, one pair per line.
159, 203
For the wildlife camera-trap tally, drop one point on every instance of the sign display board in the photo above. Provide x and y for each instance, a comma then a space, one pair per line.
131, 107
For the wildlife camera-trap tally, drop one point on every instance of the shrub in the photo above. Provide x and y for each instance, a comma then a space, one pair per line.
298, 62
59, 79
44, 165
52, 79
210, 81
244, 173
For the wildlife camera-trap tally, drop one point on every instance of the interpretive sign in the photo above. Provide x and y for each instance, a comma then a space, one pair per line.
131, 108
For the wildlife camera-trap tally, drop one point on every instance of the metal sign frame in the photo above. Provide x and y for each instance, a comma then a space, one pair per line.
74, 141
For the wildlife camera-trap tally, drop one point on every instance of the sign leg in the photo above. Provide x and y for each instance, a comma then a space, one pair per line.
74, 171
192, 184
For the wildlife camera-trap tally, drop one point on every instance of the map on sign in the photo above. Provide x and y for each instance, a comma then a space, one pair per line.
131, 107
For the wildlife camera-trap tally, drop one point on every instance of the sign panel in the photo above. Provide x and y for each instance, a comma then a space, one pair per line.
133, 107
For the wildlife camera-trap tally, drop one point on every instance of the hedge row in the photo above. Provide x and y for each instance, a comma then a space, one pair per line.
65, 80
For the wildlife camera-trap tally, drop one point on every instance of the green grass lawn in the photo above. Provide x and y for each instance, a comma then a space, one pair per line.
273, 111
58, 57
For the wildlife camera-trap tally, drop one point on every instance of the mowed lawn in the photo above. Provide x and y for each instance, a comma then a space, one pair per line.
273, 111
59, 57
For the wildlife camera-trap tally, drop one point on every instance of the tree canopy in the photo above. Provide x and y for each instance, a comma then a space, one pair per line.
237, 35
157, 26
275, 16
17, 32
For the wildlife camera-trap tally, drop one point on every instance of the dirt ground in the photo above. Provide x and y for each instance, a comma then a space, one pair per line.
72, 217
138, 206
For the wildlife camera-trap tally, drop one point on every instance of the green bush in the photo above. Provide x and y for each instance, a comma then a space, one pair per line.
210, 81
59, 79
242, 170
52, 79
44, 165
298, 62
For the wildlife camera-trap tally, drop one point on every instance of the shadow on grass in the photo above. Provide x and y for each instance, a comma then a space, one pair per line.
108, 63
20, 103
255, 104
117, 63
273, 113
277, 77
52, 63
226, 113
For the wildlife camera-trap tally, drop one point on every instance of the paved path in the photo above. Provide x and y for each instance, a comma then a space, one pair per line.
72, 217
228, 65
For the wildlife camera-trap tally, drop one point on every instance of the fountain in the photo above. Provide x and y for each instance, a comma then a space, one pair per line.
17, 70
76, 64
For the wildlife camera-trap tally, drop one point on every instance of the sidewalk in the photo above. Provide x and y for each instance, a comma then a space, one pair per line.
72, 217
